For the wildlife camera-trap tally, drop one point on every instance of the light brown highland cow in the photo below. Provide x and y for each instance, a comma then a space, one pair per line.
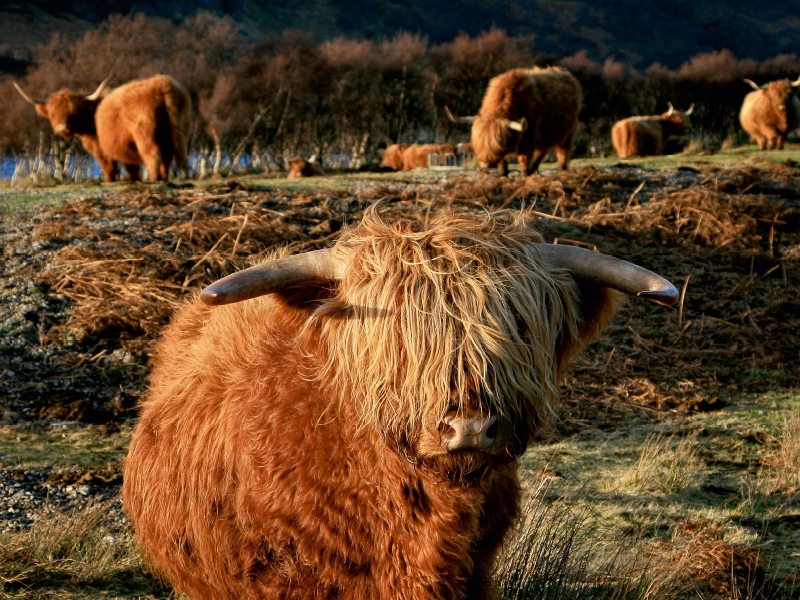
415, 156
300, 167
771, 112
393, 156
145, 121
646, 136
526, 112
348, 427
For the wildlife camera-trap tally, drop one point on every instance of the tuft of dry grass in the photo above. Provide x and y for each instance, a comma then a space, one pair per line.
664, 465
74, 555
781, 472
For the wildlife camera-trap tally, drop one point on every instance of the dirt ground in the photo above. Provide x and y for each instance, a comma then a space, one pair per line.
709, 385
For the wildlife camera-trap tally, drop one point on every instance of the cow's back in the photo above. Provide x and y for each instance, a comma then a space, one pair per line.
638, 136
158, 104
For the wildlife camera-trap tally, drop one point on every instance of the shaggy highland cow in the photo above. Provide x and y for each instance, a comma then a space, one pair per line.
348, 425
416, 156
393, 156
771, 112
300, 167
646, 136
526, 112
145, 121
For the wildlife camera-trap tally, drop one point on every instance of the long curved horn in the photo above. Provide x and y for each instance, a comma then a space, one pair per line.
689, 111
752, 84
99, 90
27, 98
671, 109
273, 276
796, 83
610, 272
456, 119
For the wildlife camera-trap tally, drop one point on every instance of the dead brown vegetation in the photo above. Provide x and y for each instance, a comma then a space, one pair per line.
724, 238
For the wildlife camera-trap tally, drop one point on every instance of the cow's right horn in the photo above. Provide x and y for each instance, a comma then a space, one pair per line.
753, 84
99, 90
27, 98
273, 276
671, 109
456, 119
609, 272
796, 83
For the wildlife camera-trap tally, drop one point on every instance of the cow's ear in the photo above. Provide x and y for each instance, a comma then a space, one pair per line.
596, 306
41, 108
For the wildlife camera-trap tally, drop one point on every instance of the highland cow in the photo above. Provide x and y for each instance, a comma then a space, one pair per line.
646, 136
300, 167
348, 425
393, 156
145, 121
416, 156
771, 112
526, 112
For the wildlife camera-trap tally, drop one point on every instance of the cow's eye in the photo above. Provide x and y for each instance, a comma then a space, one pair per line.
781, 107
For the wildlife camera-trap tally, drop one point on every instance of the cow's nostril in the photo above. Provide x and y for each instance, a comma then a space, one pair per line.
445, 430
492, 431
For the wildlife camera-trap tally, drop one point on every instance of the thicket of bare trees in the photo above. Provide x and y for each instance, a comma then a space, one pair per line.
258, 101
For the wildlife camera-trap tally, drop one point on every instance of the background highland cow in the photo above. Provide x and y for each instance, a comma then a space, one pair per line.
526, 112
771, 112
646, 136
145, 121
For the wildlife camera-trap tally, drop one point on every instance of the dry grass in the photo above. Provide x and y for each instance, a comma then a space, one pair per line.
665, 465
781, 473
71, 556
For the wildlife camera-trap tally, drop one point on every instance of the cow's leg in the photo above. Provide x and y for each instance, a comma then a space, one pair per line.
533, 163
563, 155
110, 169
523, 161
150, 152
502, 168
761, 141
133, 172
779, 143
503, 497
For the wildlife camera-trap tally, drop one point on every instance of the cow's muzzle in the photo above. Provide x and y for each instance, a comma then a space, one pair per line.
469, 433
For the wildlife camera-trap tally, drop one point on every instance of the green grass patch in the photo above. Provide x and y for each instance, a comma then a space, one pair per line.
41, 446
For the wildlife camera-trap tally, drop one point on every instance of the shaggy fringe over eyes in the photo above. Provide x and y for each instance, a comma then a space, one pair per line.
429, 314
490, 138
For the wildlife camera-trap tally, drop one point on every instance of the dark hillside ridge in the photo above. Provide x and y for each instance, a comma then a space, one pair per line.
634, 32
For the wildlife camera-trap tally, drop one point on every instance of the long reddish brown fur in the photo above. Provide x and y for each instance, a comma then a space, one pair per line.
646, 136
249, 477
393, 156
763, 118
145, 121
549, 99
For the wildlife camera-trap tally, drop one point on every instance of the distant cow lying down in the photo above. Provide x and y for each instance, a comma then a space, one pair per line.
416, 155
300, 167
145, 121
646, 136
393, 156
348, 426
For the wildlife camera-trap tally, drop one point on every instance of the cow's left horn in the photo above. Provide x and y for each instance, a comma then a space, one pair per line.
273, 276
609, 272
99, 90
27, 98
796, 83
689, 111
520, 125
671, 109
456, 119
